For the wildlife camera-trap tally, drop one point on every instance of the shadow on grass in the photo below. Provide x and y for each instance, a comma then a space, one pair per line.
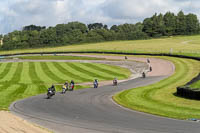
185, 97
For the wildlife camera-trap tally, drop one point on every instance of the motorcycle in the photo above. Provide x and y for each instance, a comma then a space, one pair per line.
150, 68
64, 89
71, 88
50, 93
115, 82
95, 85
143, 75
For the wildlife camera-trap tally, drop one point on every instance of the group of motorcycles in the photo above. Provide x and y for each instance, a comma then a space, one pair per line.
96, 84
52, 91
150, 69
65, 88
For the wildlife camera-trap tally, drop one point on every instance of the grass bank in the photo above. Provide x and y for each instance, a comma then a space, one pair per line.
179, 45
196, 85
160, 98
24, 79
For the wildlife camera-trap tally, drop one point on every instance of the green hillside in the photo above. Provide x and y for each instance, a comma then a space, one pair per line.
183, 45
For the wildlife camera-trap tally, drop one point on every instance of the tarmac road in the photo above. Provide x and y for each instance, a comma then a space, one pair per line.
93, 111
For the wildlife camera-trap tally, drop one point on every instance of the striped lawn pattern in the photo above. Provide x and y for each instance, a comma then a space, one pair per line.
5, 70
23, 79
69, 73
160, 98
106, 71
90, 72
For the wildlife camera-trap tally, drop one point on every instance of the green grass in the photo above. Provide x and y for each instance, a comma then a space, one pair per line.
196, 85
23, 79
70, 74
160, 98
184, 45
58, 57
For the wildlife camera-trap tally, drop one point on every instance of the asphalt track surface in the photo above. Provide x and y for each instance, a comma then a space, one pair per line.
93, 111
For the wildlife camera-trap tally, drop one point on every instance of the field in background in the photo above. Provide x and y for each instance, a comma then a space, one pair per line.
184, 45
23, 79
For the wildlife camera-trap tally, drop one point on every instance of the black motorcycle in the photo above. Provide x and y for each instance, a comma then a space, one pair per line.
50, 93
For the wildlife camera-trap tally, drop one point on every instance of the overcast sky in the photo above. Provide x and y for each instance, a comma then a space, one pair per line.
14, 14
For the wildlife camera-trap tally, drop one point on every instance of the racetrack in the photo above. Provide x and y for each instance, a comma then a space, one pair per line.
92, 110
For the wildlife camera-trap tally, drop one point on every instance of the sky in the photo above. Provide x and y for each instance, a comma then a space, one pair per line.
15, 14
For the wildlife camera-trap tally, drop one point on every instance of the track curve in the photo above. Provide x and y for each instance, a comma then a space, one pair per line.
92, 110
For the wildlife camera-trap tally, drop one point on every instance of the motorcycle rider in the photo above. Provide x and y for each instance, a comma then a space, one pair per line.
150, 68
95, 83
64, 88
148, 60
115, 81
67, 86
143, 75
72, 85
51, 91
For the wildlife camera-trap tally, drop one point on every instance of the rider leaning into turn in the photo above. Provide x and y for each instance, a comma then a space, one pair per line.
53, 88
66, 85
95, 83
115, 81
72, 84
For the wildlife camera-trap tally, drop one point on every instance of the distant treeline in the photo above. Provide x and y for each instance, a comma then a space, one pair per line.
160, 25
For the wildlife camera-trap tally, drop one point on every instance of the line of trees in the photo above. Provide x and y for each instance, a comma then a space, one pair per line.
160, 25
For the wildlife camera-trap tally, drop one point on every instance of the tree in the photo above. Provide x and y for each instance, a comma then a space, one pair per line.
192, 24
181, 24
114, 28
154, 26
148, 26
93, 36
95, 26
170, 23
33, 27
48, 37
158, 26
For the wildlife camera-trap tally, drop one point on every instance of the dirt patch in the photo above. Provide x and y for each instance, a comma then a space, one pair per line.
13, 124
186, 42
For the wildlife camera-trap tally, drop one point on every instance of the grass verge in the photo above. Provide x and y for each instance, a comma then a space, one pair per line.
160, 98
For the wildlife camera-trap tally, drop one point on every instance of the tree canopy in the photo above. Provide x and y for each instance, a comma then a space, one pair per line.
158, 25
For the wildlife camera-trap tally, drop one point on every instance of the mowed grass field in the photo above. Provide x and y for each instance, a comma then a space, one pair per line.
23, 79
160, 98
184, 45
